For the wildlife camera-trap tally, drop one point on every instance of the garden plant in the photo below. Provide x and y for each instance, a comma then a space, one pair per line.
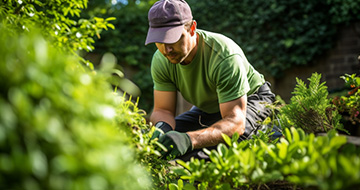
348, 103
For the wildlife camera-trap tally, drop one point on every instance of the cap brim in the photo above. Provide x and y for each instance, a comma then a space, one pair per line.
166, 35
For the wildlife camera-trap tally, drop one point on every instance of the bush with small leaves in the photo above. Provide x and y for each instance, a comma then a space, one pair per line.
59, 123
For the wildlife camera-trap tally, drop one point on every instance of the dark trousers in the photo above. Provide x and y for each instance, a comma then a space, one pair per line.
195, 119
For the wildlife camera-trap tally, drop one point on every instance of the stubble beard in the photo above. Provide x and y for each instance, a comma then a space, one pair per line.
176, 58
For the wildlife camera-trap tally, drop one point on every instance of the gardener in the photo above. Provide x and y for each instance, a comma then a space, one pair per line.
211, 72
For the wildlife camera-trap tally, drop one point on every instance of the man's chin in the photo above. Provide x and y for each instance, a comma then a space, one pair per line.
174, 61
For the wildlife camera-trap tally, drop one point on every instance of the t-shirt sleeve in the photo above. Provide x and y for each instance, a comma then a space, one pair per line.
161, 74
231, 79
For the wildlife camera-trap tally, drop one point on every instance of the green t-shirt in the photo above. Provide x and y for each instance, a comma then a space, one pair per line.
218, 73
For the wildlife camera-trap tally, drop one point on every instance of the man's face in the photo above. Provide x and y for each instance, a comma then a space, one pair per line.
178, 51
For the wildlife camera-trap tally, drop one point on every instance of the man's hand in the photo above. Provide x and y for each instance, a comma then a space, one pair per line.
161, 128
176, 143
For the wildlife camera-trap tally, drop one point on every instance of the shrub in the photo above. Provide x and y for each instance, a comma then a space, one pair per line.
58, 122
323, 162
349, 104
310, 108
147, 150
57, 20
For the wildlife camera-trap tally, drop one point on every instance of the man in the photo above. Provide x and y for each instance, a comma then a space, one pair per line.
211, 72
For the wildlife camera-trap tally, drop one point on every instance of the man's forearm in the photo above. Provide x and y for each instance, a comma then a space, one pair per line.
211, 136
162, 115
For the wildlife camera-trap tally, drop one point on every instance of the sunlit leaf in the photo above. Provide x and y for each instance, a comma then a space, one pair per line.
226, 139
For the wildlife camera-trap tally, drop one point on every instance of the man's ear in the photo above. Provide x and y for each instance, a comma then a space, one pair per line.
193, 28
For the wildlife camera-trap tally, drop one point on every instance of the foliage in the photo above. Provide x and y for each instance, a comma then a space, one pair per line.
277, 34
350, 104
301, 159
127, 41
117, 79
148, 150
144, 81
323, 162
310, 108
58, 122
56, 20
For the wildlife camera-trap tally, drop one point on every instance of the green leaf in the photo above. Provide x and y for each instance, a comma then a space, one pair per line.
100, 20
288, 135
269, 150
226, 139
224, 186
173, 186
181, 171
183, 164
222, 149
161, 146
110, 18
180, 184
110, 26
189, 187
282, 150
295, 134
338, 141
302, 134
235, 138
208, 152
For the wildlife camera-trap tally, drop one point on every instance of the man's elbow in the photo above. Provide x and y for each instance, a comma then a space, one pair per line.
239, 128
239, 123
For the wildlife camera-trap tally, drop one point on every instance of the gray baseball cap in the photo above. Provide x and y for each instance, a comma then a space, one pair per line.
166, 21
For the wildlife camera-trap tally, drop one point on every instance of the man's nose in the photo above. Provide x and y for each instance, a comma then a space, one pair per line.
168, 48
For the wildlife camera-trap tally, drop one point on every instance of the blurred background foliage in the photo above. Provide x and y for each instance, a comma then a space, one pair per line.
58, 21
274, 34
127, 41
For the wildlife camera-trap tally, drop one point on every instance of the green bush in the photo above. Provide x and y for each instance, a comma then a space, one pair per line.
61, 126
58, 20
348, 104
310, 108
299, 159
147, 150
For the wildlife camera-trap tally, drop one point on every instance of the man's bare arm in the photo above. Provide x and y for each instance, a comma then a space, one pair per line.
164, 107
234, 117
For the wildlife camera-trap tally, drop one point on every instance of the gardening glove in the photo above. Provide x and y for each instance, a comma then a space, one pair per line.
161, 128
176, 143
